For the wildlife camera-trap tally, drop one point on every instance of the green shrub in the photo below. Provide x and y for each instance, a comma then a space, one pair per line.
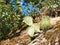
8, 19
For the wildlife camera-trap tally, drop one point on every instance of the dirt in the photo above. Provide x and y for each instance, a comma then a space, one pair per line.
22, 39
50, 37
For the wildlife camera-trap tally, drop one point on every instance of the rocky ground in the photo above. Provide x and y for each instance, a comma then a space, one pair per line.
50, 37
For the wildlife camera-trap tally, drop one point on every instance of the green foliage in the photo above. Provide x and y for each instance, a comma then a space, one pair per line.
52, 3
28, 20
1, 35
46, 3
8, 19
12, 18
45, 23
33, 27
1, 0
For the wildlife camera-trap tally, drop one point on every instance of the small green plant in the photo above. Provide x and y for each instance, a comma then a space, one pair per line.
28, 20
45, 23
33, 27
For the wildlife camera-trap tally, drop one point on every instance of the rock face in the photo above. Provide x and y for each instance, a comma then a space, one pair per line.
51, 37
